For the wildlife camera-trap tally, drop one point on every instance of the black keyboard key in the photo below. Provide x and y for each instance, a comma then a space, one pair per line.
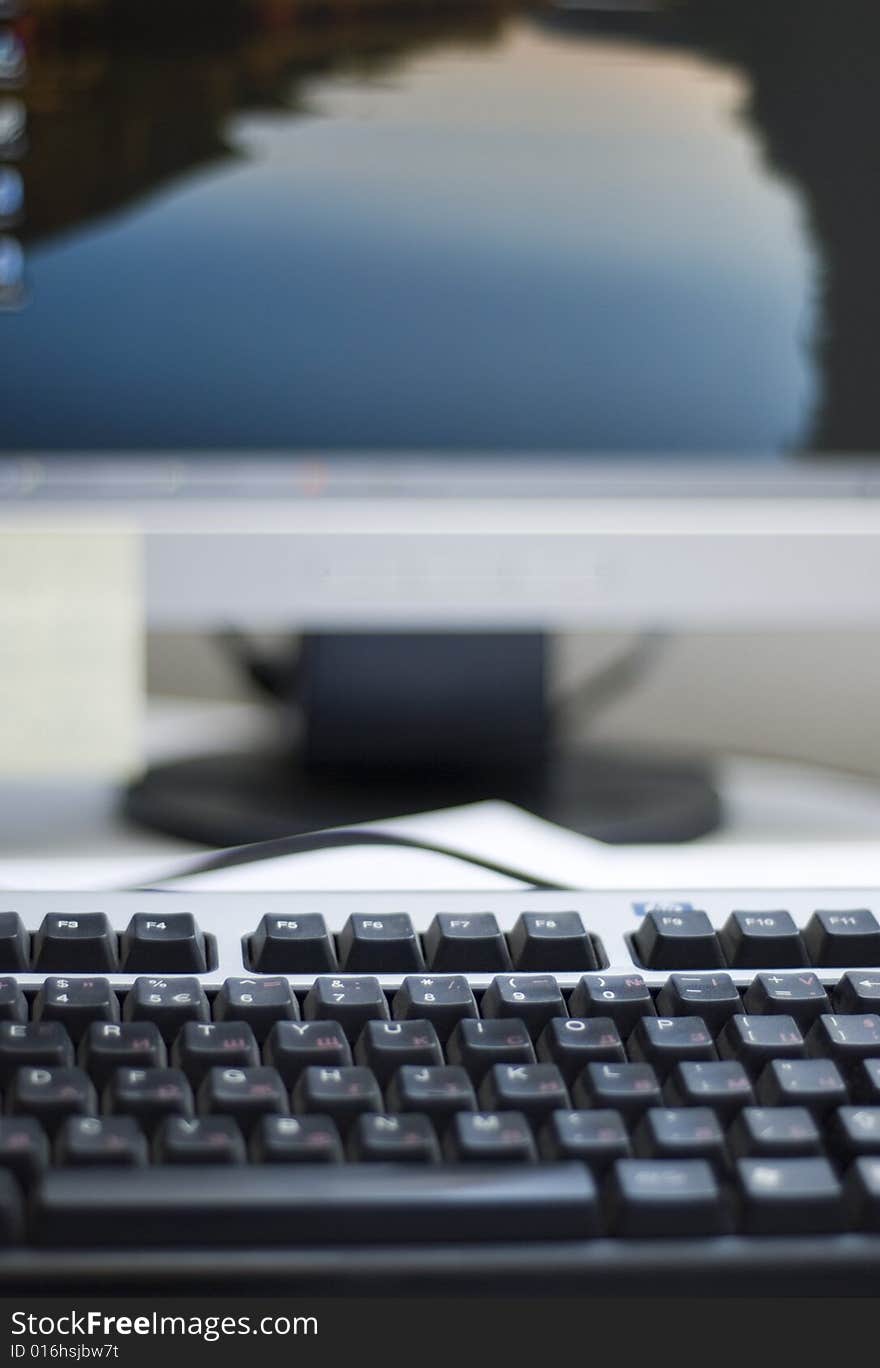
437, 1092
13, 1003
812, 1083
76, 1003
334, 1205
774, 1133
257, 1002
535, 1090
76, 942
33, 1044
625, 998
790, 1196
243, 1094
350, 1002
755, 1040
149, 1095
853, 1131
681, 1133
667, 1041
712, 997
202, 1046
477, 1045
108, 1046
443, 1000
11, 1210
865, 1082
340, 1093
596, 1138
163, 943
532, 998
292, 945
552, 941
649, 1197
843, 937
168, 1003
199, 1140
857, 992
762, 940
627, 1088
294, 1046
800, 996
678, 940
846, 1039
51, 1095
382, 944
386, 1045
722, 1085
571, 1043
24, 1148
863, 1193
15, 944
490, 1138
402, 1139
467, 942
99, 1141
296, 1140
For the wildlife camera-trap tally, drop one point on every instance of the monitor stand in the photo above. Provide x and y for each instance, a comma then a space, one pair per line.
395, 723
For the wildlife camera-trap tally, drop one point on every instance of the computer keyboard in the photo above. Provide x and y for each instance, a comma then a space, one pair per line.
595, 1084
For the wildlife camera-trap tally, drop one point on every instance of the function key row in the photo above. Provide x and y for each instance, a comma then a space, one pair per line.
686, 939
85, 942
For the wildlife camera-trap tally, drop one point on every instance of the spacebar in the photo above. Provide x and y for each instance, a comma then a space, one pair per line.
293, 1206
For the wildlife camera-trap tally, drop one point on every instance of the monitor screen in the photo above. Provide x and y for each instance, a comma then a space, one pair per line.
270, 226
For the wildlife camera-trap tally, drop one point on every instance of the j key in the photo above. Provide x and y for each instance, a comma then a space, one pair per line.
350, 1002
168, 1003
762, 940
33, 1044
202, 1046
243, 1094
790, 1196
865, 1081
855, 1130
385, 1045
380, 1138
847, 1039
863, 1193
163, 943
15, 943
532, 998
81, 943
108, 1046
438, 1093
89, 1141
552, 941
199, 1140
342, 1094
444, 1001
842, 938
723, 1085
536, 1090
666, 1041
149, 1095
596, 1138
666, 1197
571, 1043
678, 940
812, 1083
296, 1140
623, 997
24, 1149
51, 1095
379, 944
257, 1002
774, 1133
680, 1133
477, 1045
293, 1046
627, 1088
490, 1137
13, 1003
755, 1040
800, 996
857, 992
292, 945
712, 997
466, 942
76, 1003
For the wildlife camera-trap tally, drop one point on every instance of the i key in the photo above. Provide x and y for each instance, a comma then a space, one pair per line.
259, 1003
571, 1043
51, 1095
678, 940
163, 943
351, 1002
385, 1045
477, 1045
296, 1140
33, 1044
376, 945
199, 1140
293, 1046
108, 1046
444, 1000
98, 1141
801, 996
407, 1139
79, 943
713, 997
202, 1046
468, 942
666, 1041
551, 941
532, 998
76, 1003
292, 945
169, 1003
623, 997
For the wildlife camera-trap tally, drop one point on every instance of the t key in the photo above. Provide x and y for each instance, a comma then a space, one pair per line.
163, 943
79, 943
